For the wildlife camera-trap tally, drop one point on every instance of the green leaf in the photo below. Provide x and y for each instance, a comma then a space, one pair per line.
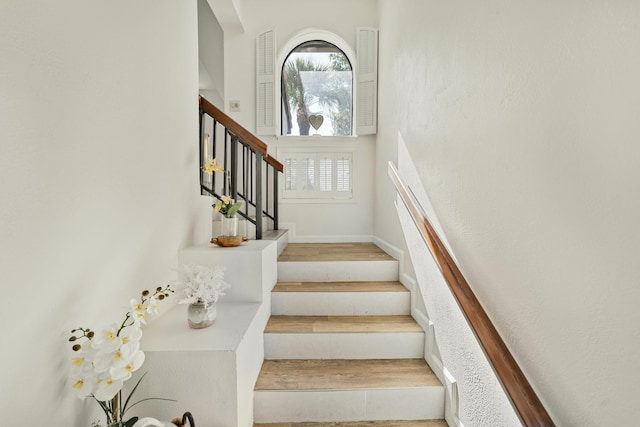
233, 209
152, 398
124, 407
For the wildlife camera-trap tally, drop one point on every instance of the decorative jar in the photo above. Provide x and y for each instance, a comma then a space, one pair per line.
201, 315
229, 226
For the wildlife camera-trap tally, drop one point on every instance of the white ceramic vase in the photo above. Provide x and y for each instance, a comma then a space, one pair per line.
201, 315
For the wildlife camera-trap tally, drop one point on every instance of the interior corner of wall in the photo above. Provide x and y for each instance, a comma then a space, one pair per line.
291, 230
409, 281
392, 250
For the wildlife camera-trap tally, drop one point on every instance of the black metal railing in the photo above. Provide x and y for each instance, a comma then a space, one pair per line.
250, 174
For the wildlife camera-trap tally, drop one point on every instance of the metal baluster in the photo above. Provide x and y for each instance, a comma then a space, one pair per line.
258, 195
234, 167
275, 199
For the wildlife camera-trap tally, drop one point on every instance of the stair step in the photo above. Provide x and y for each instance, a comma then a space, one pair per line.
349, 390
306, 324
344, 373
340, 298
336, 262
343, 337
300, 252
364, 286
341, 347
384, 423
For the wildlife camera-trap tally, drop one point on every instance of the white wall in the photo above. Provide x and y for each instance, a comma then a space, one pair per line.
211, 55
522, 121
98, 123
306, 221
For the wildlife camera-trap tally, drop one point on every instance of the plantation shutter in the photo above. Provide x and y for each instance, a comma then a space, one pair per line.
317, 175
343, 175
367, 81
265, 79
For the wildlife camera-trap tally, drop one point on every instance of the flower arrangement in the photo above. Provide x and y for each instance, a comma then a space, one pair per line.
212, 166
203, 284
226, 205
103, 361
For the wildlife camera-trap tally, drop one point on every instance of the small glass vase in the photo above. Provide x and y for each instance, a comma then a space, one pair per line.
201, 315
229, 226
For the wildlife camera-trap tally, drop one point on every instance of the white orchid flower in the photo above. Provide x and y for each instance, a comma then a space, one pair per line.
138, 311
153, 305
130, 334
84, 383
107, 387
124, 371
107, 340
120, 356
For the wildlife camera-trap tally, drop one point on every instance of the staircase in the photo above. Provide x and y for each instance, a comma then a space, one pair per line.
341, 348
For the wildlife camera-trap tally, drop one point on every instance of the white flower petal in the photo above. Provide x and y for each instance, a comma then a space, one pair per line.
107, 387
124, 371
83, 384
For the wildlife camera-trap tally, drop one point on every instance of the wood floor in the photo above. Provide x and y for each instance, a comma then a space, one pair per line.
328, 374
385, 423
302, 324
339, 287
305, 252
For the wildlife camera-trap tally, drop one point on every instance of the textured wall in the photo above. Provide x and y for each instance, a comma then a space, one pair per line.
522, 119
481, 399
98, 123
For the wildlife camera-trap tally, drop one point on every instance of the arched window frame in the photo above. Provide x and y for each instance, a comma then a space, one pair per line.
294, 42
364, 63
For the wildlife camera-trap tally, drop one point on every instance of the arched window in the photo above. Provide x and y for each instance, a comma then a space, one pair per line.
340, 83
317, 91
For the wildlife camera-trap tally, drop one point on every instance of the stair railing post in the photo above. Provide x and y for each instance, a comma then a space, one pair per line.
233, 169
275, 199
259, 160
201, 150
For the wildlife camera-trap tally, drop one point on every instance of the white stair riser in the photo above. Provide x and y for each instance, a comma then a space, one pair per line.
398, 345
413, 403
338, 271
340, 303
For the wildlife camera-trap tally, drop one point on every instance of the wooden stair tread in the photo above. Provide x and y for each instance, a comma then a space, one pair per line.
383, 423
340, 287
346, 324
328, 374
321, 252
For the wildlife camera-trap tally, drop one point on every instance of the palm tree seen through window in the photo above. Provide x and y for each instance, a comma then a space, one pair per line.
317, 79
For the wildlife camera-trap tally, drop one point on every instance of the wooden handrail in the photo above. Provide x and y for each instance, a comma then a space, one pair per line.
273, 162
232, 125
527, 404
247, 137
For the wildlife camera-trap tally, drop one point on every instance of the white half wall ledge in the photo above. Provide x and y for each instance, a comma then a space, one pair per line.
250, 269
211, 372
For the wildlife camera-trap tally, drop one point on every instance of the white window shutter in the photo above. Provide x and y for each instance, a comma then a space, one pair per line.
367, 81
265, 83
